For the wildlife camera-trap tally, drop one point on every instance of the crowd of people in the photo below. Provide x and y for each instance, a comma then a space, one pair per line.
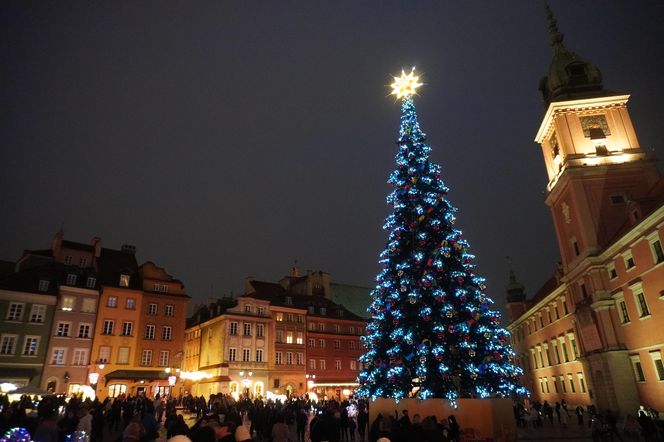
218, 418
644, 424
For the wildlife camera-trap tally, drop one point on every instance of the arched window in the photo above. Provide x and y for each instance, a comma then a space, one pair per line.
52, 385
258, 389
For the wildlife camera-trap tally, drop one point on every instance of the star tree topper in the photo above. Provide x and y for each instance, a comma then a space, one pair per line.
406, 85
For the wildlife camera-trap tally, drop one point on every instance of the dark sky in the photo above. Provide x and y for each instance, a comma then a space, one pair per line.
226, 139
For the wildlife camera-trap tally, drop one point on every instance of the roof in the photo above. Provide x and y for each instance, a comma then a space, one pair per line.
353, 297
550, 285
276, 295
6, 268
77, 246
113, 263
28, 280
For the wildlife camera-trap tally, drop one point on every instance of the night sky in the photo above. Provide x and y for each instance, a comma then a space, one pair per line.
226, 139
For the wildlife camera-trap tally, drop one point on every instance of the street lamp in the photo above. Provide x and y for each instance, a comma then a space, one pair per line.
245, 381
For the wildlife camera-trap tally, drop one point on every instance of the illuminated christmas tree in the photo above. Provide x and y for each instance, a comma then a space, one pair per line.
433, 331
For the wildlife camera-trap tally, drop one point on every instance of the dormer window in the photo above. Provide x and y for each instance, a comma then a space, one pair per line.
247, 308
124, 280
43, 285
289, 300
71, 279
68, 259
312, 309
323, 311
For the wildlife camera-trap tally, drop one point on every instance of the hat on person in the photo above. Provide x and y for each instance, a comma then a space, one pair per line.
242, 434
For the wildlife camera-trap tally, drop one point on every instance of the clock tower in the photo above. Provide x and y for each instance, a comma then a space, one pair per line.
595, 165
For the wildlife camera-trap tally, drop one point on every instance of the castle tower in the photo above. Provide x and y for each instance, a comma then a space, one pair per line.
595, 165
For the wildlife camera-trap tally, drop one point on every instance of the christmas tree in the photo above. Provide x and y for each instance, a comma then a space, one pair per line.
433, 331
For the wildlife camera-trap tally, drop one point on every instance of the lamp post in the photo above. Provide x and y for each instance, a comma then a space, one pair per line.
245, 381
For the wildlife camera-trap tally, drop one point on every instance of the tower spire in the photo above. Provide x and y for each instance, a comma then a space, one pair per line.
515, 290
554, 34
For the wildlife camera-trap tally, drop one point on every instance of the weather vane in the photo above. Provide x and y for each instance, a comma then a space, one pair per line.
406, 85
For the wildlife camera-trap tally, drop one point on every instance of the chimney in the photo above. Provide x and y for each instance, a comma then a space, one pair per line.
96, 243
56, 244
248, 288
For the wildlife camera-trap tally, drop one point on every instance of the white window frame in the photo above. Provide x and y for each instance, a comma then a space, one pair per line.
91, 282
63, 329
627, 256
123, 355
37, 313
150, 331
43, 285
164, 357
637, 289
104, 354
146, 357
232, 328
72, 278
167, 333
337, 364
656, 356
153, 308
652, 239
278, 358
299, 358
321, 364
17, 314
246, 354
108, 327
619, 299
259, 355
246, 329
79, 357
353, 364
312, 364
232, 354
638, 372
58, 356
30, 351
169, 310
89, 305
260, 330
127, 328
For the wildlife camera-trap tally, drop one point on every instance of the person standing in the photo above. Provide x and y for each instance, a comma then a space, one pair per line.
579, 414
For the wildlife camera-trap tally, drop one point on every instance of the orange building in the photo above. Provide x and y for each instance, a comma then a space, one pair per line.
590, 335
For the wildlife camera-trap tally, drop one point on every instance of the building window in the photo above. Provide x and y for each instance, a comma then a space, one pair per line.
91, 282
246, 354
289, 300
232, 354
15, 311
168, 310
123, 355
563, 385
629, 260
541, 320
323, 311
58, 356
300, 338
312, 343
112, 301
146, 357
37, 313
546, 384
124, 282
247, 308
656, 248
115, 390
104, 354
8, 344
89, 305
167, 333
337, 364
572, 341
572, 388
312, 364
31, 346
582, 383
621, 307
564, 302
321, 343
233, 328
321, 326
311, 309
300, 358
246, 329
130, 304
71, 279
563, 345
80, 357
638, 369
259, 355
62, 329
279, 317
548, 315
640, 300
260, 310
109, 325
657, 362
68, 259
289, 358
260, 330
321, 364
152, 309
127, 328
611, 269
43, 285
352, 345
278, 358
353, 365
149, 331
300, 319
163, 358
556, 354
289, 337
337, 344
